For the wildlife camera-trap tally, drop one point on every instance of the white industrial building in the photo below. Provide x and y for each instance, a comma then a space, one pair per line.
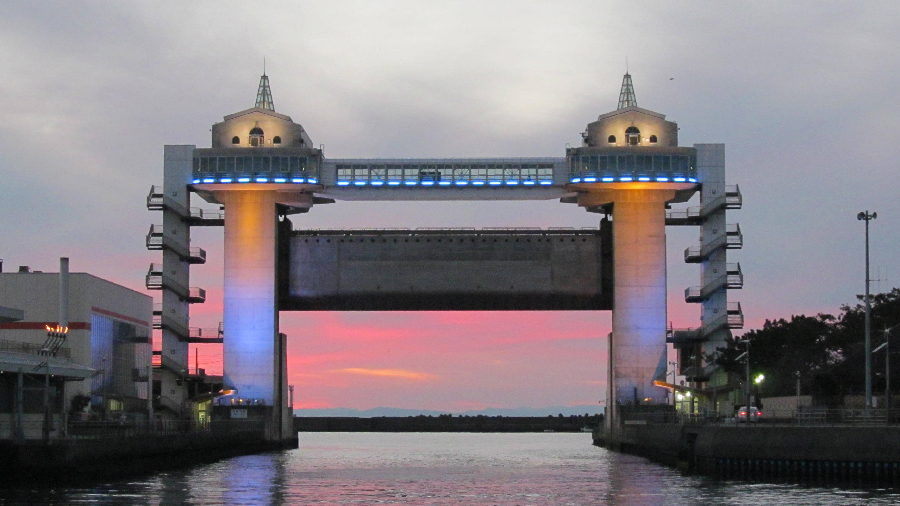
68, 335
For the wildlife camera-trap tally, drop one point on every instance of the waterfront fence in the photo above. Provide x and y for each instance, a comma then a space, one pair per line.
77, 429
812, 416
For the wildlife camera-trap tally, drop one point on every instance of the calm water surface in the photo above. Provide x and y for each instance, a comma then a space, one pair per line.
446, 469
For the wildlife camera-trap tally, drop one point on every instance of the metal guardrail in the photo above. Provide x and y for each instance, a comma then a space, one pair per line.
196, 294
803, 417
32, 349
689, 213
733, 197
467, 231
140, 428
207, 214
158, 201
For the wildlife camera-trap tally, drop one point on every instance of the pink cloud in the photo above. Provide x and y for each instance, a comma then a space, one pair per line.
387, 373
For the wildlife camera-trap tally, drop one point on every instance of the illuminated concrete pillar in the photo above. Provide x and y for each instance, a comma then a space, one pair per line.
638, 337
639, 308
251, 315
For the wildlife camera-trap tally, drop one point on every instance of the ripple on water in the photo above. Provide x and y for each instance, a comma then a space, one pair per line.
440, 468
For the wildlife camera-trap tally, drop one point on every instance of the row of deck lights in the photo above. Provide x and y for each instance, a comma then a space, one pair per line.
301, 180
258, 179
444, 183
629, 179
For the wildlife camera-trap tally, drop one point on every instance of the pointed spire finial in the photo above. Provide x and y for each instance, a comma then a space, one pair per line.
264, 94
626, 96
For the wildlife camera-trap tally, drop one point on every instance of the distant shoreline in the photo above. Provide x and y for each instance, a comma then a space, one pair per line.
577, 410
447, 423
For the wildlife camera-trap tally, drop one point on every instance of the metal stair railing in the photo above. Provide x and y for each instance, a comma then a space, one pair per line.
733, 197
735, 315
158, 201
733, 238
155, 237
156, 240
196, 295
686, 216
171, 324
206, 335
695, 215
206, 217
733, 278
157, 280
196, 255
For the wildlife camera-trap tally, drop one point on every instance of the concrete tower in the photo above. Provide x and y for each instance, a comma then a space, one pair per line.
630, 166
273, 159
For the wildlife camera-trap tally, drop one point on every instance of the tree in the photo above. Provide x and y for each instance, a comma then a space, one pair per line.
77, 404
827, 351
781, 348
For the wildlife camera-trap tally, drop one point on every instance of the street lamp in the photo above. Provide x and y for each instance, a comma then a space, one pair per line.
865, 216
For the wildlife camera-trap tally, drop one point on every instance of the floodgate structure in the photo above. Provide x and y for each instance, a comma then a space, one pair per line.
262, 168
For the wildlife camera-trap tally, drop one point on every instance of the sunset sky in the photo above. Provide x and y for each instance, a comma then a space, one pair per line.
804, 97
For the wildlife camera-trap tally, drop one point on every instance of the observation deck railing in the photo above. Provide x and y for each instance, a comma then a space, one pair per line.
633, 167
254, 166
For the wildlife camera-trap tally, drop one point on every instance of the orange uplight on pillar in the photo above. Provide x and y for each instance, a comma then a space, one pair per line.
250, 300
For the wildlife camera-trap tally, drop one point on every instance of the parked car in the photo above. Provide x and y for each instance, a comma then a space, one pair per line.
755, 414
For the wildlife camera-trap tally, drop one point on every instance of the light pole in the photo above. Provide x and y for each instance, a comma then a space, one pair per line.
865, 216
673, 373
757, 381
887, 371
747, 387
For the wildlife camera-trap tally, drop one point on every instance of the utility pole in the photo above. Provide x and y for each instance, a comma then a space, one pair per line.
887, 371
103, 388
865, 216
47, 416
150, 424
747, 385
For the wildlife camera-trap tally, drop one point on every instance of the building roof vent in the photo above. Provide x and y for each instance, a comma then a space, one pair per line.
24, 269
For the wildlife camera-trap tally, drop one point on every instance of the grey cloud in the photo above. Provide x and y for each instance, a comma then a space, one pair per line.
803, 95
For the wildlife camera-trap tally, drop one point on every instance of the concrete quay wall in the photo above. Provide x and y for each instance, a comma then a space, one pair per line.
111, 457
861, 444
828, 454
